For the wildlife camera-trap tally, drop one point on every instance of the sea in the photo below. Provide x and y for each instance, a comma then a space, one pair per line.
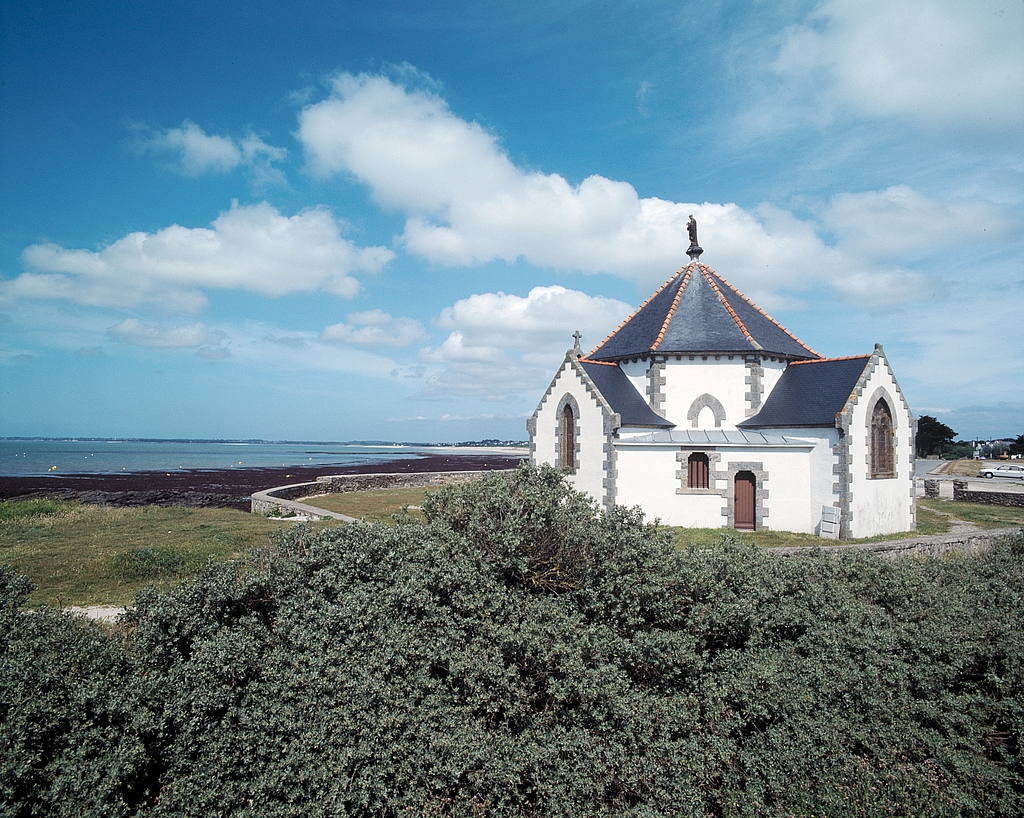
41, 457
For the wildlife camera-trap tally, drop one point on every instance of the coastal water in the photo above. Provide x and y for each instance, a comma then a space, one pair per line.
20, 457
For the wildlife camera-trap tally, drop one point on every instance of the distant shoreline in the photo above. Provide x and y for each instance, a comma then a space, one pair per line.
231, 488
488, 443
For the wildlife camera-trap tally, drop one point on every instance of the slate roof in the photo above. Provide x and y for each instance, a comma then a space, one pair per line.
810, 393
716, 437
698, 311
622, 396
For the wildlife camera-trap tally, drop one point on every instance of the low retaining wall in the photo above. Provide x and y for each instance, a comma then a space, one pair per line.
962, 494
282, 498
935, 545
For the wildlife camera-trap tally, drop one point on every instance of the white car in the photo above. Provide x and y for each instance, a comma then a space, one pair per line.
1004, 471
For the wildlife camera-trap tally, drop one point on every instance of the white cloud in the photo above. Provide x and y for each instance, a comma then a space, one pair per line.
643, 91
941, 62
254, 345
198, 152
213, 353
886, 290
375, 328
207, 343
482, 372
900, 220
132, 331
253, 248
290, 341
503, 346
467, 203
543, 320
275, 350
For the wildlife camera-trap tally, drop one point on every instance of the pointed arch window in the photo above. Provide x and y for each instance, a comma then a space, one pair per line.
568, 439
882, 460
697, 471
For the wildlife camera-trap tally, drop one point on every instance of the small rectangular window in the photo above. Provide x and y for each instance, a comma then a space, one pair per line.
697, 471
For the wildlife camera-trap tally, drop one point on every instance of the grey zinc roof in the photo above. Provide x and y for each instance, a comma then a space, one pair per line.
698, 311
622, 396
715, 437
810, 393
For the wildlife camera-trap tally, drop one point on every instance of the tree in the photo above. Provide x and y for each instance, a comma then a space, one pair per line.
932, 436
1017, 447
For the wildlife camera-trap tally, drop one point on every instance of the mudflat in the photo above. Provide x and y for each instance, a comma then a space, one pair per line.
224, 488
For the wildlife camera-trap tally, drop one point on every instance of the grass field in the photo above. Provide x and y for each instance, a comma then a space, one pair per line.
373, 506
977, 513
95, 555
965, 468
933, 517
98, 555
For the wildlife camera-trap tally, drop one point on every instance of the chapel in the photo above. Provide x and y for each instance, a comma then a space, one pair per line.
706, 412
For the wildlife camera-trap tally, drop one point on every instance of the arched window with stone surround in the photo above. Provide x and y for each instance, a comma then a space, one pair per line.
882, 460
568, 439
697, 471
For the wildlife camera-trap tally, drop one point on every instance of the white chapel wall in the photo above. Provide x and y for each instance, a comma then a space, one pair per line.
823, 483
802, 480
647, 477
786, 479
881, 505
686, 381
590, 456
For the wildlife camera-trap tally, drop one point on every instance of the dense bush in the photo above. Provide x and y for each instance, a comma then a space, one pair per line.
523, 654
73, 728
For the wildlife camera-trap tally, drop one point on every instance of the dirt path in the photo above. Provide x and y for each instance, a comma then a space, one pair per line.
100, 613
957, 526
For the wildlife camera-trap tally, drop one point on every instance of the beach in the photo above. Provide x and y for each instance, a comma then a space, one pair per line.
228, 488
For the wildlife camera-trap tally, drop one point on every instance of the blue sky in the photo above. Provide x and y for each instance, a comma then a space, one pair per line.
385, 219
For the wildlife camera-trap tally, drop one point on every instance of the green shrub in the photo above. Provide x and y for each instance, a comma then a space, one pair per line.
75, 734
522, 654
532, 527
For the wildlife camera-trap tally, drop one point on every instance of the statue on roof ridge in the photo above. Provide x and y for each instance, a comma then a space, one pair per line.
694, 250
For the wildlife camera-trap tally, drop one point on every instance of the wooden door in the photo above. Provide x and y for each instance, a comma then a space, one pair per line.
744, 501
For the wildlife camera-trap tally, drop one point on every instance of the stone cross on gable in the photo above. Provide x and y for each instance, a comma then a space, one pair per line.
577, 336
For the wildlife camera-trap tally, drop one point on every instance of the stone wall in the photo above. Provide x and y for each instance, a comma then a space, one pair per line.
990, 498
283, 497
936, 545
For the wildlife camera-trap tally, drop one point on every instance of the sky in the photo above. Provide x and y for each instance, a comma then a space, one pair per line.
384, 220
